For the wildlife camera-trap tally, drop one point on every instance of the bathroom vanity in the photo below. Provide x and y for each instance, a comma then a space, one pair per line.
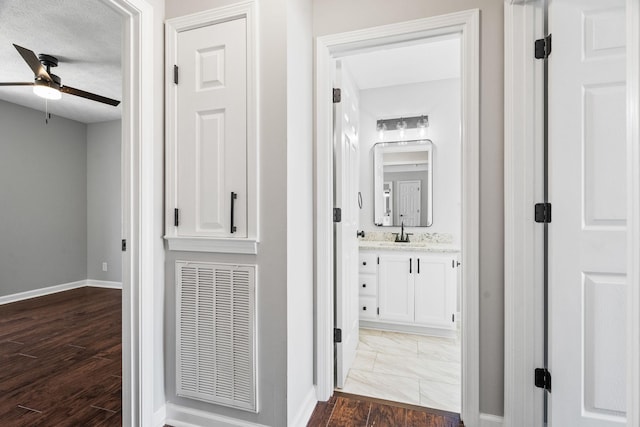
408, 287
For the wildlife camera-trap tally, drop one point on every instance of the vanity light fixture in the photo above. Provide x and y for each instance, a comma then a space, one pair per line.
402, 124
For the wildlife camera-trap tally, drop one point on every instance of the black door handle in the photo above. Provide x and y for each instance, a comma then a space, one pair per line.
234, 196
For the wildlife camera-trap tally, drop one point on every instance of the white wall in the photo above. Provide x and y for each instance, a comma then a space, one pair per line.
335, 16
104, 216
43, 199
440, 100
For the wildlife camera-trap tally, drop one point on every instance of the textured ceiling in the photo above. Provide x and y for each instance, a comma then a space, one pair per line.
85, 36
436, 59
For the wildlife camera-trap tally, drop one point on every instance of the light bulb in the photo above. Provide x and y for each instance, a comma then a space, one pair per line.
381, 127
401, 126
422, 125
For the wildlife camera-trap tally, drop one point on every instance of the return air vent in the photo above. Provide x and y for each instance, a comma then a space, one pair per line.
215, 333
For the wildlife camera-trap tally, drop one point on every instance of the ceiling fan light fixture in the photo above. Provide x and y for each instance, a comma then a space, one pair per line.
43, 90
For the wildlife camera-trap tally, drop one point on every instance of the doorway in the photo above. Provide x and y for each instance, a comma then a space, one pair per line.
400, 338
340, 48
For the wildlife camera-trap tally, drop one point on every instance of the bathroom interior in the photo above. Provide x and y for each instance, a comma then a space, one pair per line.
408, 144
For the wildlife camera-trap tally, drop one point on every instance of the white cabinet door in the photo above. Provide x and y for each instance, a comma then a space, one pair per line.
587, 234
211, 130
395, 288
435, 291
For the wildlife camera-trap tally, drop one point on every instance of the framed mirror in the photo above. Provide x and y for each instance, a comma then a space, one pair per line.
403, 183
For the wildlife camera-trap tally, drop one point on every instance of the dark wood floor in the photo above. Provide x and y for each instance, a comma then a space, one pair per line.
344, 410
60, 360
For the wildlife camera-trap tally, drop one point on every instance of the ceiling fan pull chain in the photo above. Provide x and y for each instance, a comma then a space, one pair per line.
47, 114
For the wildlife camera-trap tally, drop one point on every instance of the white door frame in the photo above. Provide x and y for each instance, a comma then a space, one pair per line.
466, 23
138, 211
523, 187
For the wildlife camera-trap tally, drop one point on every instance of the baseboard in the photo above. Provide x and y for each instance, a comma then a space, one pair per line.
42, 292
104, 284
35, 293
180, 416
488, 420
306, 409
160, 416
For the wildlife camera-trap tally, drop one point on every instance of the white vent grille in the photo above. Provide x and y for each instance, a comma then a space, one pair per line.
215, 328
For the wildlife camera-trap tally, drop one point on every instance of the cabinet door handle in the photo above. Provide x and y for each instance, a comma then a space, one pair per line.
234, 196
410, 265
364, 285
364, 308
418, 259
364, 262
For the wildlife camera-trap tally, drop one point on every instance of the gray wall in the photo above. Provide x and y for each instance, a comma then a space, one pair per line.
300, 337
335, 16
43, 200
104, 201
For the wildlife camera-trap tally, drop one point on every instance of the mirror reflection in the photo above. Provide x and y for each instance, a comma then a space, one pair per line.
403, 183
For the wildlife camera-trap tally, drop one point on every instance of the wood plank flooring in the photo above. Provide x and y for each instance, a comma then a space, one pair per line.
344, 410
60, 360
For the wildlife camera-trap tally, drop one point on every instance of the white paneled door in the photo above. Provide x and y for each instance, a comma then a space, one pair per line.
587, 235
409, 203
212, 130
346, 171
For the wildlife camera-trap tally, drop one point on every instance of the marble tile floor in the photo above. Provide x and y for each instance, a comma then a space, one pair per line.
407, 368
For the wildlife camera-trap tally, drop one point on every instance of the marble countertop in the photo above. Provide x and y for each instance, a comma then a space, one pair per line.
410, 246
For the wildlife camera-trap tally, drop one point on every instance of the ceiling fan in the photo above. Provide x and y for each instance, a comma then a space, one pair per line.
48, 85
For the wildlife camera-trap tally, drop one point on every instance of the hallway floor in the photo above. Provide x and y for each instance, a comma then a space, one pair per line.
407, 368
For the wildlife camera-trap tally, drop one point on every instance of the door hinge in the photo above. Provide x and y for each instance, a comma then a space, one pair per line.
543, 47
337, 215
378, 311
175, 74
542, 212
543, 378
337, 335
378, 260
176, 217
124, 245
453, 317
337, 95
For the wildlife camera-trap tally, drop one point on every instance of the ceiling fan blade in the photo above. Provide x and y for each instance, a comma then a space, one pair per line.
17, 84
89, 95
34, 63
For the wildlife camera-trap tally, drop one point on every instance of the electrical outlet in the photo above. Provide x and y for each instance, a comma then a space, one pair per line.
104, 266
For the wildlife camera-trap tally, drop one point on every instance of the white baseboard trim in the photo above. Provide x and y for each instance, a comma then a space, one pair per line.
104, 284
21, 296
488, 420
42, 292
306, 409
160, 416
180, 416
